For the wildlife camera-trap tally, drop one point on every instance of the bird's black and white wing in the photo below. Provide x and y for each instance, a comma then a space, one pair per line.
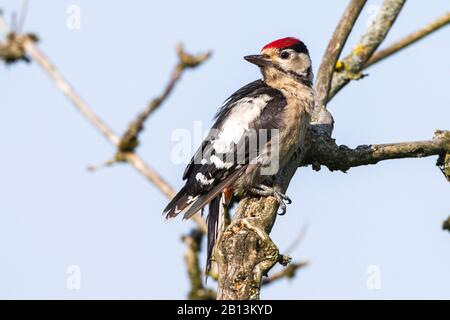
219, 161
225, 154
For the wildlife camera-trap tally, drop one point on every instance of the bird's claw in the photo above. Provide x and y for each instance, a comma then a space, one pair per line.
282, 199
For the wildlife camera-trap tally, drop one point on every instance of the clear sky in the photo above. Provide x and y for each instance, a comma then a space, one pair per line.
380, 221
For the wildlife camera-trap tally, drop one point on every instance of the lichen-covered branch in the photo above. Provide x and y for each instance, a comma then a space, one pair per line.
129, 140
350, 67
324, 151
410, 39
245, 253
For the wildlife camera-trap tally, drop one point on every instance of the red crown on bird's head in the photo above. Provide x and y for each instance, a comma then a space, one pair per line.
282, 43
287, 43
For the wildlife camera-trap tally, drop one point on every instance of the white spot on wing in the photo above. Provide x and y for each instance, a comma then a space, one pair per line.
200, 177
191, 199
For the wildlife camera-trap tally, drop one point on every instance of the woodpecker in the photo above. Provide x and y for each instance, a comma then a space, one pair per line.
272, 113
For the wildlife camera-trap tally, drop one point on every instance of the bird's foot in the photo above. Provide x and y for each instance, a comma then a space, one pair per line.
265, 191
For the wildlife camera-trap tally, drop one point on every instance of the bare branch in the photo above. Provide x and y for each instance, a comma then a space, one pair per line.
298, 239
334, 49
288, 272
130, 140
193, 247
64, 86
28, 46
350, 67
414, 37
325, 151
245, 252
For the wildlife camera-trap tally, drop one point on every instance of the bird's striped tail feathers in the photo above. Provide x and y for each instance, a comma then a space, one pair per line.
206, 198
180, 202
218, 199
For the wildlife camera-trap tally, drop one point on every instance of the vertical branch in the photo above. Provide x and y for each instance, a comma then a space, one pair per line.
334, 49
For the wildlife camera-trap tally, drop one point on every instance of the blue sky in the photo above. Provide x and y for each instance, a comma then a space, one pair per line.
55, 214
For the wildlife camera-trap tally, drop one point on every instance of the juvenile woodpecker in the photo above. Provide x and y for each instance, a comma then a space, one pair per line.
257, 129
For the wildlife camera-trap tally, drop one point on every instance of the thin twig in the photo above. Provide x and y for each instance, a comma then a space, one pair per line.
437, 24
22, 16
298, 239
3, 25
350, 67
129, 140
288, 272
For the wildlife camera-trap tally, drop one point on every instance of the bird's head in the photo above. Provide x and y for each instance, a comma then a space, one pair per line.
286, 58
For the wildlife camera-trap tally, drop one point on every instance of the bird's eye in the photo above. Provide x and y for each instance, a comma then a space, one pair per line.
285, 55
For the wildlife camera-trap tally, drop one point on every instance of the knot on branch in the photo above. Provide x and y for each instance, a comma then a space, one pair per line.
187, 60
446, 224
443, 162
13, 50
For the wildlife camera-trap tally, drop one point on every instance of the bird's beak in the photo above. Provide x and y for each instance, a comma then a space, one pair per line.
261, 60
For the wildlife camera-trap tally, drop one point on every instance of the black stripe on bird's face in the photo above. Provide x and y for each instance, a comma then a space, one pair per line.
304, 78
299, 48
